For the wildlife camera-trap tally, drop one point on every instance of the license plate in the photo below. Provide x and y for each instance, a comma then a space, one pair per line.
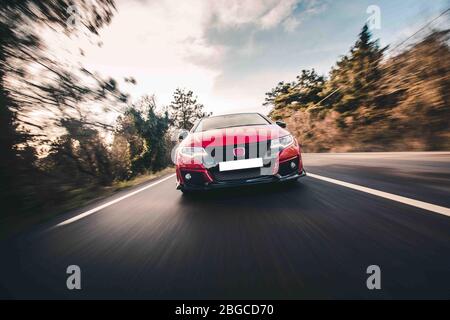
241, 164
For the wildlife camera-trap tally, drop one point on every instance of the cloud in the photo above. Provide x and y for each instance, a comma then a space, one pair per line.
262, 14
291, 23
235, 13
167, 44
199, 52
246, 93
281, 11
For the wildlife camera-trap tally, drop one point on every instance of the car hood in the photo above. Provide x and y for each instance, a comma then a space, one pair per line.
234, 135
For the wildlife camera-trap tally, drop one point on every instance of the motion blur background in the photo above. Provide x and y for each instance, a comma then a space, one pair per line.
92, 91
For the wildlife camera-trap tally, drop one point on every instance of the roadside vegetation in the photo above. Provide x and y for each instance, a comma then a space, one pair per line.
372, 100
58, 149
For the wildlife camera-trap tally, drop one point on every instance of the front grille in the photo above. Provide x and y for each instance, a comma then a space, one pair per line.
252, 150
242, 174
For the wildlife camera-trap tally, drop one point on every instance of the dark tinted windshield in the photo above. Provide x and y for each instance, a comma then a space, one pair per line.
231, 120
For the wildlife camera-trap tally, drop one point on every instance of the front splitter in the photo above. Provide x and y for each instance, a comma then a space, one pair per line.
248, 182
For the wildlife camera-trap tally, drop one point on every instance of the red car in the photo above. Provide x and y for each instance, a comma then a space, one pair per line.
236, 149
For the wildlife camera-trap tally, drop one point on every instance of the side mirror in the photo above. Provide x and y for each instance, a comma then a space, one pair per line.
282, 124
182, 135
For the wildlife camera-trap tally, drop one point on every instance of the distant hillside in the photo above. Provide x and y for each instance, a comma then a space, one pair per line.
370, 102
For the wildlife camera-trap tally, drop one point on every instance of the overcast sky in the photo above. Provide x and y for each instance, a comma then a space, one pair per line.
231, 52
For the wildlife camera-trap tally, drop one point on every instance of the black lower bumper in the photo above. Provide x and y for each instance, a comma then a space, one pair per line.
236, 183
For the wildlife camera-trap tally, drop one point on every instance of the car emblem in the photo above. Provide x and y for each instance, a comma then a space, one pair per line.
239, 152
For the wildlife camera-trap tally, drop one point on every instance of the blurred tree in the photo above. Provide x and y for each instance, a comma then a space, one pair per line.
413, 96
127, 130
282, 88
81, 156
145, 129
120, 158
20, 44
301, 93
356, 75
184, 109
371, 102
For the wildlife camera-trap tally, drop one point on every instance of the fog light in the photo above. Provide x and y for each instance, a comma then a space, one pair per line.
188, 176
293, 165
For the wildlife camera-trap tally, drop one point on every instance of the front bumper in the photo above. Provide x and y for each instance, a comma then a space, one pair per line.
246, 182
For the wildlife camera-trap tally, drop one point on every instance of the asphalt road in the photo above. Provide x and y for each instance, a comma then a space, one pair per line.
314, 239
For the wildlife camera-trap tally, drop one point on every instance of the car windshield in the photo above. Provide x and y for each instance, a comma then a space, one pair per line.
231, 120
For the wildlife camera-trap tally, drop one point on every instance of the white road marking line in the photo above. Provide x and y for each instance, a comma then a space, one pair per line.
87, 213
415, 203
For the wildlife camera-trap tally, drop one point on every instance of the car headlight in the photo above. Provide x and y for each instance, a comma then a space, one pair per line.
282, 143
193, 152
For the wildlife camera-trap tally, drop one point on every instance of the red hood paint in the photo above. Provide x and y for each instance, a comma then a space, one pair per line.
235, 135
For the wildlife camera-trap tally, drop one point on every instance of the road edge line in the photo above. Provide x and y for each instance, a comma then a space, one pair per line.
89, 212
412, 202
